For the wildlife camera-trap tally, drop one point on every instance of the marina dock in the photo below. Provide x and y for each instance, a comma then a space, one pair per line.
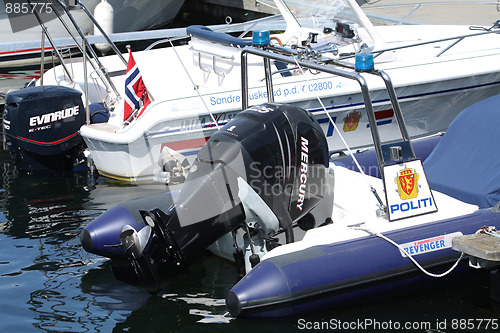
484, 252
250, 9
238, 10
480, 246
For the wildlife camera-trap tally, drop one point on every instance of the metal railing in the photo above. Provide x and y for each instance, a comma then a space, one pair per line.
83, 46
382, 156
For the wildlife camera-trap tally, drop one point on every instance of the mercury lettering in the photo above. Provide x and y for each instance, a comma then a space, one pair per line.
304, 159
54, 116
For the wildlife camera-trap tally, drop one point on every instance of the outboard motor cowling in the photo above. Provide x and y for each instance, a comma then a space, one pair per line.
41, 127
270, 160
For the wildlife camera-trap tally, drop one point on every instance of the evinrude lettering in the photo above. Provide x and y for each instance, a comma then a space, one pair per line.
54, 116
304, 158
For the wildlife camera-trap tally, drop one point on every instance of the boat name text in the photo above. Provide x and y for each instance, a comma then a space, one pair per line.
285, 91
428, 244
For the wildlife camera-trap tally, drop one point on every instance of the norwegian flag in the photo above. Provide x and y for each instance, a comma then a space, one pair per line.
136, 94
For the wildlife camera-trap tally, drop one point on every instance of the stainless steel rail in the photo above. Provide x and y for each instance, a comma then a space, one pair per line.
103, 73
92, 18
334, 70
51, 41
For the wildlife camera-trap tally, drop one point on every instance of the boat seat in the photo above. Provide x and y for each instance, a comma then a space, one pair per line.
205, 33
99, 113
465, 164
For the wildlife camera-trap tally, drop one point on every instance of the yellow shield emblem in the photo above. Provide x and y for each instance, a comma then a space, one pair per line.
351, 121
407, 180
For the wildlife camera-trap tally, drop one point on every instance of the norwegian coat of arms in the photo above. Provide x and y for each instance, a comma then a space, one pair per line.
407, 180
351, 121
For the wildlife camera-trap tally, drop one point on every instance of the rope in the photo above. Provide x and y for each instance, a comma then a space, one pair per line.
194, 85
330, 118
372, 189
378, 234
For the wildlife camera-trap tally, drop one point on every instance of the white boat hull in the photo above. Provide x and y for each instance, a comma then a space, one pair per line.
427, 109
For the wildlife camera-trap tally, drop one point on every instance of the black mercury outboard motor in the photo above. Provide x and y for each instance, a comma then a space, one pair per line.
41, 127
272, 154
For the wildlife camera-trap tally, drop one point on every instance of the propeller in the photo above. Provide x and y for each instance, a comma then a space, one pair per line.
134, 242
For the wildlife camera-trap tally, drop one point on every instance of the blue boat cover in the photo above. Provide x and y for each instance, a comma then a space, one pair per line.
465, 164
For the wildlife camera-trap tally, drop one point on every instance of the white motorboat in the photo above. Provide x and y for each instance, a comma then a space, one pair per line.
437, 70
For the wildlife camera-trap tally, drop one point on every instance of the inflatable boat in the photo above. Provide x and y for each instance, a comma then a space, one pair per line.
362, 256
305, 232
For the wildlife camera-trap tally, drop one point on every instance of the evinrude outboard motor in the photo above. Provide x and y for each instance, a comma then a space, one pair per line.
41, 127
273, 156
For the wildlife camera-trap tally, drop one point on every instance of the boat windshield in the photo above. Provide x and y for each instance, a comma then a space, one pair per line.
318, 14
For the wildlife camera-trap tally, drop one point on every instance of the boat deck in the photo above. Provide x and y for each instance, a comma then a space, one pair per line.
482, 246
354, 213
106, 127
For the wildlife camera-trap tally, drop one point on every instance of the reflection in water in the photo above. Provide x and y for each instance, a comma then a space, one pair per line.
49, 283
193, 302
43, 269
46, 206
109, 293
43, 259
